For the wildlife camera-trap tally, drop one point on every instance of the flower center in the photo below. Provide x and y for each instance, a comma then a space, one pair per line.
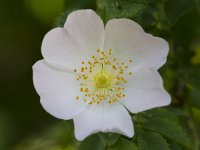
102, 78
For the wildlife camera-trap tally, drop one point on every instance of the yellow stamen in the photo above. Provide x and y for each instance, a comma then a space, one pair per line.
102, 78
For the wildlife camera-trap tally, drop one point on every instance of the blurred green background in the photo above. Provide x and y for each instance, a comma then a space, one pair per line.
24, 125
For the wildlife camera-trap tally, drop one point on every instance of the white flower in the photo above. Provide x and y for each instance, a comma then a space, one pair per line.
93, 74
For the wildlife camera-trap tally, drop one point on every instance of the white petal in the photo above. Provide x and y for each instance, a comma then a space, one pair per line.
87, 28
58, 90
67, 47
144, 91
60, 49
129, 41
103, 117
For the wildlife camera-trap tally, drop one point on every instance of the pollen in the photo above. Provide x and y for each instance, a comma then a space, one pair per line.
102, 78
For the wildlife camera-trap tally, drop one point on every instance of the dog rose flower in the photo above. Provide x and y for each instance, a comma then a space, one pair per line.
95, 74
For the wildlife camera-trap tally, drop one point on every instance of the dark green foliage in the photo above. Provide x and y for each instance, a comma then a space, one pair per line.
174, 146
123, 144
152, 141
91, 143
109, 138
175, 9
194, 86
168, 129
110, 9
165, 123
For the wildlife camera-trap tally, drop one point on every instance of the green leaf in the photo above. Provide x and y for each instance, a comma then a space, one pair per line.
175, 146
91, 143
109, 9
165, 121
160, 113
109, 138
169, 129
152, 141
123, 144
171, 114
